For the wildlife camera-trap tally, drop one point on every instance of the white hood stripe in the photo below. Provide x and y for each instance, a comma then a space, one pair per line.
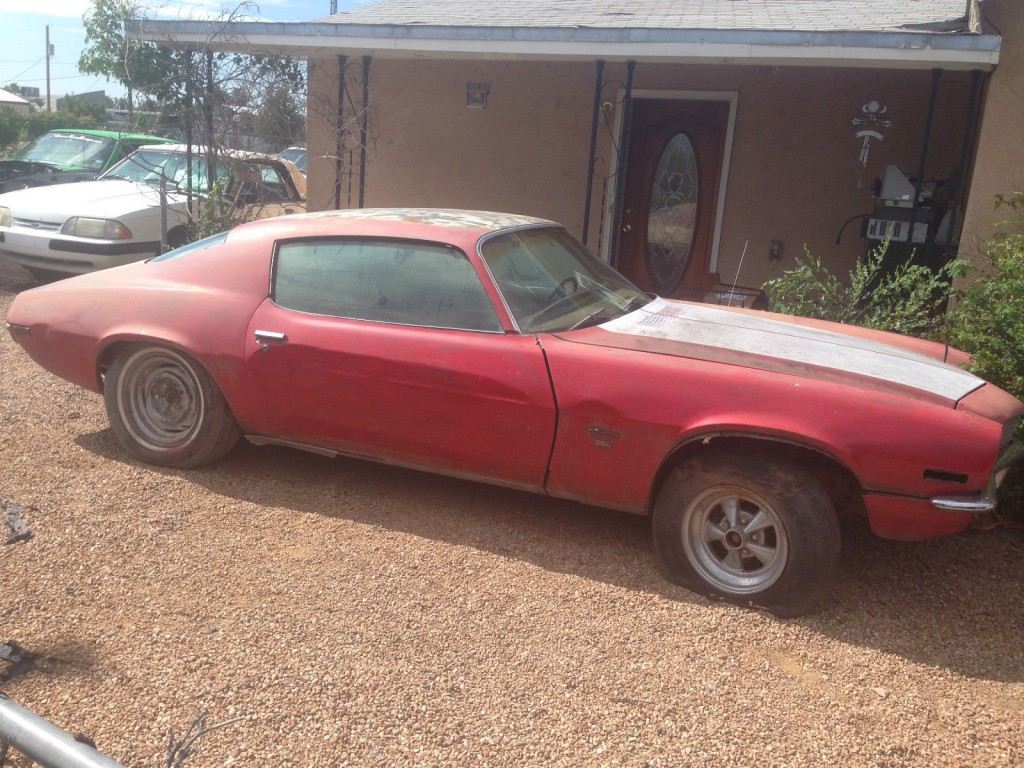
709, 326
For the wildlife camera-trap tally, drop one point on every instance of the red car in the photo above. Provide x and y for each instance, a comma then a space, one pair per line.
494, 347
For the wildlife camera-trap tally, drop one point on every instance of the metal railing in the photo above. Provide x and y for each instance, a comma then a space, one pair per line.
43, 742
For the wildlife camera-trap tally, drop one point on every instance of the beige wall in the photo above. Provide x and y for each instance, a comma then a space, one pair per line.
999, 165
794, 175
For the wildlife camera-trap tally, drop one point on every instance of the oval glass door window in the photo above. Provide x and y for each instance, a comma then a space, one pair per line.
673, 214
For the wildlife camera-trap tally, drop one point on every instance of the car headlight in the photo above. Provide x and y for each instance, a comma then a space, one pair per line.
102, 229
5, 216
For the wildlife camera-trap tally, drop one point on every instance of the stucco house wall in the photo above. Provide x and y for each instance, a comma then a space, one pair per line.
794, 175
999, 164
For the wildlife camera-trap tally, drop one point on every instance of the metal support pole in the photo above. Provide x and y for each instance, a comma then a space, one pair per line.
929, 120
48, 108
43, 742
362, 130
163, 212
622, 163
594, 117
211, 159
189, 118
338, 134
957, 192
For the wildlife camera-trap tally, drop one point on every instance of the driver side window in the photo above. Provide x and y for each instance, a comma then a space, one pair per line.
387, 281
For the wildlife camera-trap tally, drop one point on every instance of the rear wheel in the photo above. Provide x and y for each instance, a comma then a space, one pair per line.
165, 409
748, 529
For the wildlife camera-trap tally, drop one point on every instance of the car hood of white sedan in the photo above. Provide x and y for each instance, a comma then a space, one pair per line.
707, 332
105, 199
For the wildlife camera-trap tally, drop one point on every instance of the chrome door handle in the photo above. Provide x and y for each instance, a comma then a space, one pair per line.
270, 336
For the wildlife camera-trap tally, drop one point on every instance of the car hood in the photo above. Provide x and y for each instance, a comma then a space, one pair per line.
773, 342
104, 198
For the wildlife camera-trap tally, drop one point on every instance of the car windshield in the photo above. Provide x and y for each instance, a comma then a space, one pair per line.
552, 283
295, 155
68, 150
147, 165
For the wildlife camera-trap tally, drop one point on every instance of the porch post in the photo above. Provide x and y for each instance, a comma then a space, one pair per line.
929, 120
957, 192
362, 130
622, 163
338, 146
595, 115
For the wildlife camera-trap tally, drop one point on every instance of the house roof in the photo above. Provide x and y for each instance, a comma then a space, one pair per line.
765, 15
6, 97
878, 33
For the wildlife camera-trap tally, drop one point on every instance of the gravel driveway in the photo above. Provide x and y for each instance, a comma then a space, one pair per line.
354, 614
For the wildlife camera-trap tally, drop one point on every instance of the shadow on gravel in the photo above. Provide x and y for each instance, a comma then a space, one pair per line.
955, 603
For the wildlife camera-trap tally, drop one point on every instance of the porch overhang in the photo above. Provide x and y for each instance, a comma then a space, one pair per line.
888, 50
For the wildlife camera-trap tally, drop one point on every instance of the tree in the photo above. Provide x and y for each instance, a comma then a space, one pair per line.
110, 53
281, 119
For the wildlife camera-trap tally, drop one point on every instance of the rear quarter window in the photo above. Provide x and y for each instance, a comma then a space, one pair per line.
404, 282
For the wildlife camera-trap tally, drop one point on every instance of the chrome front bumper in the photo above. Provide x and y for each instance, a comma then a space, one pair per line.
986, 502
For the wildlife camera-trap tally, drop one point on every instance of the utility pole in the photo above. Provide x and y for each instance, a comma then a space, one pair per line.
49, 53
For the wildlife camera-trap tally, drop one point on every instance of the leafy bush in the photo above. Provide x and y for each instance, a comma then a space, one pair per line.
39, 122
11, 124
989, 323
908, 299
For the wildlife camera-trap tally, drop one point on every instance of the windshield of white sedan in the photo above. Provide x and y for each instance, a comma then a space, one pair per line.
68, 150
146, 166
552, 283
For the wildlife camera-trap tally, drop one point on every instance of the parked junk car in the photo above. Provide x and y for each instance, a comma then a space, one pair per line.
494, 347
76, 228
296, 155
60, 157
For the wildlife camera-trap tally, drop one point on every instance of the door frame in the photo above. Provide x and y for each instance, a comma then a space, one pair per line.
654, 94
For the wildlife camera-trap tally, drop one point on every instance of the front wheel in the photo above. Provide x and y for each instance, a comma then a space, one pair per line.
748, 529
165, 409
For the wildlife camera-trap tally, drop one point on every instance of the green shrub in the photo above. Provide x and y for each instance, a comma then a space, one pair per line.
11, 125
908, 299
39, 122
988, 322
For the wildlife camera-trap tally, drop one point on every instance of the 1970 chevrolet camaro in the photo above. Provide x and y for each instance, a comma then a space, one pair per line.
494, 347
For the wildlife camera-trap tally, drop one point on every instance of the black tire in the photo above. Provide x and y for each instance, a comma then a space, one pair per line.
165, 409
783, 561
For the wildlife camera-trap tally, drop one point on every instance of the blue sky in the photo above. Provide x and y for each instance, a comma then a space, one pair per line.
21, 55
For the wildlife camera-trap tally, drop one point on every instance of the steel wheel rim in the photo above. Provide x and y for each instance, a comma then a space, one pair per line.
160, 399
735, 540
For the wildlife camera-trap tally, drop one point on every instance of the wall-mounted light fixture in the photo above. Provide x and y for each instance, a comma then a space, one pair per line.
476, 95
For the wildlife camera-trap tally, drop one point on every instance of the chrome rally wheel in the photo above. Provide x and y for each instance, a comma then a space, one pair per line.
735, 540
749, 527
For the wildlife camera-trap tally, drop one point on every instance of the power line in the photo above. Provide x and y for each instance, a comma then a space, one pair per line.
29, 69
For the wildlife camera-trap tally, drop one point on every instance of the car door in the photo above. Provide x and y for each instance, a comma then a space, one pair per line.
392, 349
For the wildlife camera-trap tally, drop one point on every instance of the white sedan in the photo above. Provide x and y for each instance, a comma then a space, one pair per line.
90, 225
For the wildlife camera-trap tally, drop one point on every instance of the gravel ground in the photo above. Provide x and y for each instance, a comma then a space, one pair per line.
353, 614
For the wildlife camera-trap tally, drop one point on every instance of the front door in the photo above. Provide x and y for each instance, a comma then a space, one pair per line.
391, 349
671, 198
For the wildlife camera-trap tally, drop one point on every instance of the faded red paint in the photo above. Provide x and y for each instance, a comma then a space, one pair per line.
584, 414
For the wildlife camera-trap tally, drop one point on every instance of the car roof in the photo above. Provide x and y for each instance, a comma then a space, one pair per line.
114, 134
237, 154
436, 224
